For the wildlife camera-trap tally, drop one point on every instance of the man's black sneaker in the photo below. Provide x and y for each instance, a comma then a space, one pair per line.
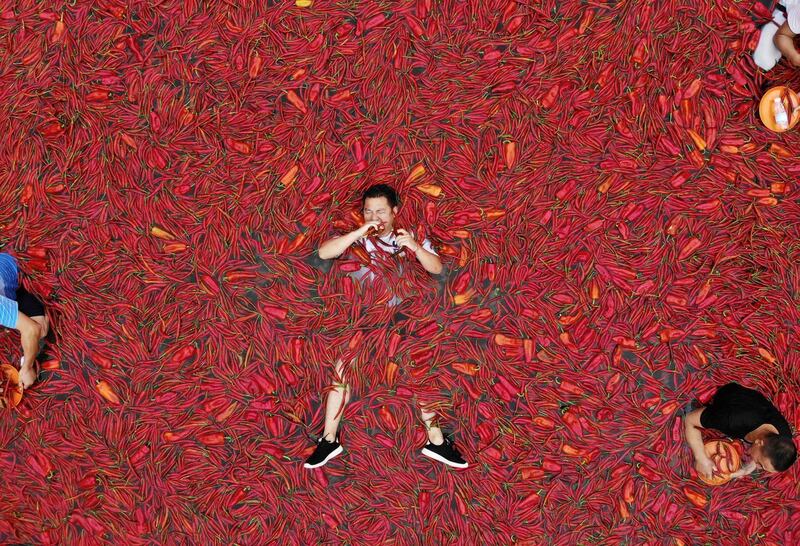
325, 452
446, 453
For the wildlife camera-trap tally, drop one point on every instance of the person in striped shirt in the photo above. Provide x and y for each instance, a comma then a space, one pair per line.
382, 241
21, 311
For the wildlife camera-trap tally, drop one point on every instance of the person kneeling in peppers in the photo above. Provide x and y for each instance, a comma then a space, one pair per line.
745, 414
777, 36
21, 311
383, 245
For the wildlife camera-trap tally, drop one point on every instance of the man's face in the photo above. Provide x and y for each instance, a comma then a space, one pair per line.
377, 208
760, 458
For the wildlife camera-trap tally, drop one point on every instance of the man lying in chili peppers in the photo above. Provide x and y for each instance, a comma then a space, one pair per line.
379, 238
746, 414
777, 36
22, 311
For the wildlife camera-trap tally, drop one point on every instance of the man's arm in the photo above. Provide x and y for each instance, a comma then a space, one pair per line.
691, 429
429, 261
745, 470
333, 248
784, 41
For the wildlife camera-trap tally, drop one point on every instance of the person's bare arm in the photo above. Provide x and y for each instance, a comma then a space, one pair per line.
784, 41
428, 260
745, 470
694, 438
333, 248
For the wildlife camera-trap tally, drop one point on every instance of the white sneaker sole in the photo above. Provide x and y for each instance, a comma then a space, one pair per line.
437, 457
332, 454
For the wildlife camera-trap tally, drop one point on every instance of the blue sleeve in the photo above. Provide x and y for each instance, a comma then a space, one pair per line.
9, 312
9, 276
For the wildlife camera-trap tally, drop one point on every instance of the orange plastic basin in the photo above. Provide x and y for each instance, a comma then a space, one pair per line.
790, 102
726, 458
11, 390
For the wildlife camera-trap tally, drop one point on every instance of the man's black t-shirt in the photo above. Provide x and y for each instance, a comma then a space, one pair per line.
737, 411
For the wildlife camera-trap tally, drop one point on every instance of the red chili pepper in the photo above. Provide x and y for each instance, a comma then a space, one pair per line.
238, 146
341, 96
648, 473
506, 341
296, 101
530, 501
504, 389
375, 21
551, 466
528, 349
550, 97
423, 355
586, 21
689, 248
573, 422
89, 480
676, 300
287, 373
415, 26
209, 284
570, 387
515, 23
639, 52
212, 438
387, 417
467, 368
671, 512
52, 129
543, 422
138, 455
356, 339
238, 496
314, 92
99, 96
255, 65
273, 311
134, 47
428, 330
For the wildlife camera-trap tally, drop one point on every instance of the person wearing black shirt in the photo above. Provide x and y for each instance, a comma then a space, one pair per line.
742, 413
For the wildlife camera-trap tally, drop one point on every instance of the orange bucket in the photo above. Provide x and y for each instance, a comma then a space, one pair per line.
726, 458
766, 108
11, 390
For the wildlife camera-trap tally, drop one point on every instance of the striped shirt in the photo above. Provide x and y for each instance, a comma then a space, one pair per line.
389, 244
9, 282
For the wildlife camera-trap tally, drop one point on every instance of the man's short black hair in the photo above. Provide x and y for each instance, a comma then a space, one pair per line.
381, 190
781, 451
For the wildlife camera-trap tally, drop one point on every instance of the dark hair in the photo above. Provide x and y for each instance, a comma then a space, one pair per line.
781, 451
381, 190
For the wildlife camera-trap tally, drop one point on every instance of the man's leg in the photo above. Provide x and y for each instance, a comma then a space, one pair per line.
338, 397
44, 324
30, 333
438, 447
33, 308
35, 323
435, 435
328, 446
